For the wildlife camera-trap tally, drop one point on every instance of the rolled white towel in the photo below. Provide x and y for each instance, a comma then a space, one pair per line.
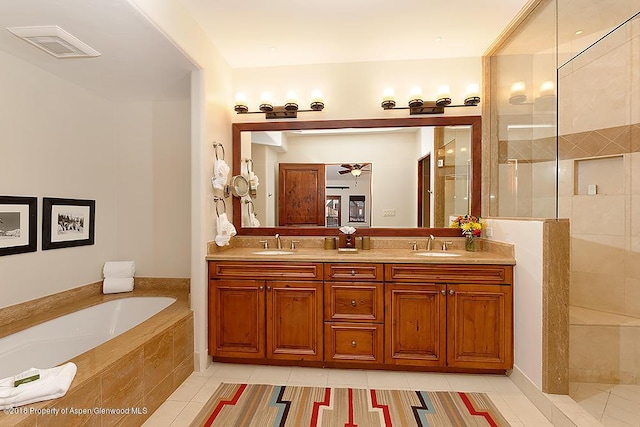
114, 285
225, 231
119, 269
220, 174
53, 383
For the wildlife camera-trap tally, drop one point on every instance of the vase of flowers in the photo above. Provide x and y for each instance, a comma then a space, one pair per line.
471, 227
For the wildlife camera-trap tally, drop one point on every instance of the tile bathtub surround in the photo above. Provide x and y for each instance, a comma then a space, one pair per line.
139, 368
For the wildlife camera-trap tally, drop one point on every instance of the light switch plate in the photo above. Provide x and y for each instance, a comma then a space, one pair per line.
592, 189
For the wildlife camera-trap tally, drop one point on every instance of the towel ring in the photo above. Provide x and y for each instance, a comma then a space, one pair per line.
224, 205
251, 209
249, 163
215, 150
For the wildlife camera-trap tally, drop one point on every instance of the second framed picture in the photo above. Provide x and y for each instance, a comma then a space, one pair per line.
67, 223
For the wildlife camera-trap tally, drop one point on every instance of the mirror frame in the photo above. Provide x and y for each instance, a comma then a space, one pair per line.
476, 173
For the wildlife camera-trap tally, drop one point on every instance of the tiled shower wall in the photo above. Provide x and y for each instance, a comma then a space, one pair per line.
599, 144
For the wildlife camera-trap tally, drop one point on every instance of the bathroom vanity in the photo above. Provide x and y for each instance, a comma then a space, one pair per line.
388, 308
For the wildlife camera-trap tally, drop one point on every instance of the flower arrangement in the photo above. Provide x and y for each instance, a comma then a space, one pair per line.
471, 225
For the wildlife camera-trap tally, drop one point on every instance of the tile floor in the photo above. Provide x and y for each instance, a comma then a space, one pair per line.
185, 403
614, 405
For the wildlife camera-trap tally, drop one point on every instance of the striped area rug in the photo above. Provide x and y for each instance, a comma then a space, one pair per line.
262, 405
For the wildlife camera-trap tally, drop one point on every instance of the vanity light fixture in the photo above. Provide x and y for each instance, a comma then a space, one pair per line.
287, 111
417, 104
546, 99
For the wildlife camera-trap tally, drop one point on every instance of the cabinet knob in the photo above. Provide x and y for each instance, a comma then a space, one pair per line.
353, 303
451, 292
353, 343
353, 272
260, 288
443, 292
269, 288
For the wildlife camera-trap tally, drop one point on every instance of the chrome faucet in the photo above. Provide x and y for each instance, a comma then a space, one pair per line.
414, 246
430, 242
445, 244
278, 242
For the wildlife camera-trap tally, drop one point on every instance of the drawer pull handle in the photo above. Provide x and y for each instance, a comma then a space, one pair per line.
443, 292
353, 343
451, 292
353, 303
353, 272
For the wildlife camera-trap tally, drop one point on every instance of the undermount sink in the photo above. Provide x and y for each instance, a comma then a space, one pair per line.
437, 254
272, 252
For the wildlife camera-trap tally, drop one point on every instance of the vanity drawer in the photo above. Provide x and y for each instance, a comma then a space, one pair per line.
353, 342
265, 270
449, 273
353, 271
353, 301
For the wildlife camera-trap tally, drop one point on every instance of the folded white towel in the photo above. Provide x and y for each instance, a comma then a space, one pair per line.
114, 285
253, 180
53, 383
225, 230
119, 269
220, 174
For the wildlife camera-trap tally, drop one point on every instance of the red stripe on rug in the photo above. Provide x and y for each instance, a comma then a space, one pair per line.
350, 423
473, 411
223, 403
317, 405
385, 409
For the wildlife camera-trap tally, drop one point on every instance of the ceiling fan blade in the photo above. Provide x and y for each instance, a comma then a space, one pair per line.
346, 165
343, 172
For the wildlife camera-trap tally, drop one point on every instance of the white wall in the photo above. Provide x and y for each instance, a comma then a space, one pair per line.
60, 140
211, 108
527, 236
354, 90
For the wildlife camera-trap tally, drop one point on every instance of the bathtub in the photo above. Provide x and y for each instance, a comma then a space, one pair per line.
56, 341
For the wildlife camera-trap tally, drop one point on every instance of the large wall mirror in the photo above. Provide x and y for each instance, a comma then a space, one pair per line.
385, 177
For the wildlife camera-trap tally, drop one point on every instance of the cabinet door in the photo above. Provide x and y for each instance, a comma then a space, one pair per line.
236, 318
480, 326
415, 324
294, 320
301, 194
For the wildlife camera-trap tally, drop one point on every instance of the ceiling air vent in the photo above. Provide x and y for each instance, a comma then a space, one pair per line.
55, 41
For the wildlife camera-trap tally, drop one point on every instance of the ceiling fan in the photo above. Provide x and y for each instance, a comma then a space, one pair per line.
355, 169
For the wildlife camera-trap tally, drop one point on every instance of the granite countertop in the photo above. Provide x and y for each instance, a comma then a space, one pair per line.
382, 255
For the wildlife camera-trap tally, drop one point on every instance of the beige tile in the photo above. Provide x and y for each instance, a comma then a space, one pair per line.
470, 383
598, 291
165, 414
502, 406
427, 381
277, 375
623, 410
347, 377
158, 359
308, 376
235, 372
608, 421
122, 384
388, 380
183, 340
208, 389
81, 397
187, 415
188, 389
605, 211
158, 394
183, 371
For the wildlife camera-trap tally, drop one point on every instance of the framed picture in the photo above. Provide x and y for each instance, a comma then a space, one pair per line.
67, 223
18, 225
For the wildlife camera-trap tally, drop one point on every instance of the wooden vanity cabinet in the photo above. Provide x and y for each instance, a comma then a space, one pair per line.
452, 316
264, 310
353, 313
